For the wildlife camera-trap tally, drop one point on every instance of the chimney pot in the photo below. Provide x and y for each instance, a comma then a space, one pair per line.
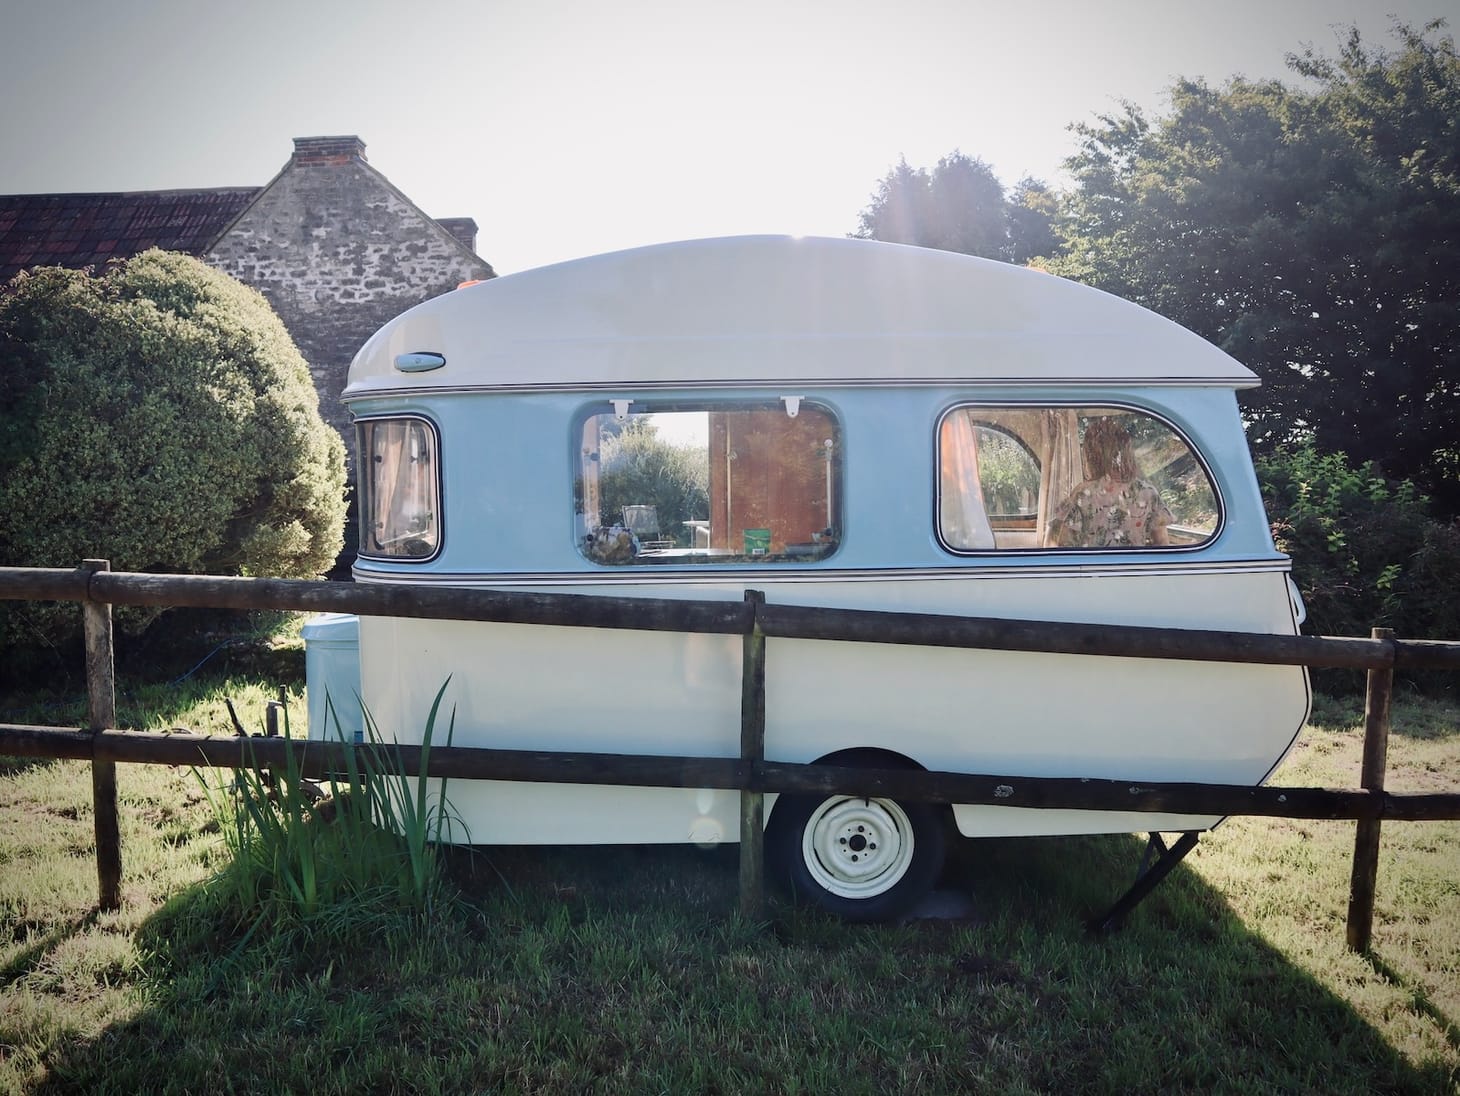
328, 150
463, 228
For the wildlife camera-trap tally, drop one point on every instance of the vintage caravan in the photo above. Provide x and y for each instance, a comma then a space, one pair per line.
835, 423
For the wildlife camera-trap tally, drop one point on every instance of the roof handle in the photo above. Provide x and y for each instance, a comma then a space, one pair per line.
419, 362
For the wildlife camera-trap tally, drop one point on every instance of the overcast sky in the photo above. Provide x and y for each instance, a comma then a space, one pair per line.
570, 127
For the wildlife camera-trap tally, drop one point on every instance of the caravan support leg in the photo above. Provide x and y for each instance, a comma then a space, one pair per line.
1156, 865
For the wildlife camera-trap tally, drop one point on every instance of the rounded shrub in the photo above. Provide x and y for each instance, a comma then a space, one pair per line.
158, 416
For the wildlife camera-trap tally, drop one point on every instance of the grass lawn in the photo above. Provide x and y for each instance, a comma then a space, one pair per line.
627, 970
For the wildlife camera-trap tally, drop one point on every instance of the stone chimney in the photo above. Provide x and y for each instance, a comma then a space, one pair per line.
463, 228
328, 150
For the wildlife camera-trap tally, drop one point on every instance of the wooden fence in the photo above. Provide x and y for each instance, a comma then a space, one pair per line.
97, 588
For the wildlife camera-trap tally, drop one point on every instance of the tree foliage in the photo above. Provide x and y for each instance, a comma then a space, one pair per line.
1311, 231
1366, 551
158, 416
960, 206
639, 467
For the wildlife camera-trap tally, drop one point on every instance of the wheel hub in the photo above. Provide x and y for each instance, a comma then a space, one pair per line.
858, 848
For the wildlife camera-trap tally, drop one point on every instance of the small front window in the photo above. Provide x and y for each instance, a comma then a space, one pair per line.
400, 494
735, 482
1069, 477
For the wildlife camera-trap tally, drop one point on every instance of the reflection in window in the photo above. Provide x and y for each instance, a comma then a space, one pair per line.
735, 482
1069, 477
399, 489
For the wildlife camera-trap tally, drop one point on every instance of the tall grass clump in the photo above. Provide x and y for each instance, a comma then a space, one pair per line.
356, 849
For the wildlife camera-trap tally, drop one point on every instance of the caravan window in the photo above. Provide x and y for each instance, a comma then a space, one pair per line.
1086, 478
742, 481
400, 492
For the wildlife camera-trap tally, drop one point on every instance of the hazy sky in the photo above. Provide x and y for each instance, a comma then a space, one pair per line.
569, 127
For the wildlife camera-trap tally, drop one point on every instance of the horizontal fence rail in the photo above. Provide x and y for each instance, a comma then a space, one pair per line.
320, 759
724, 618
98, 588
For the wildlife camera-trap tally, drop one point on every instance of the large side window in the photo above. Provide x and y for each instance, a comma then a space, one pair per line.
400, 489
1069, 477
706, 484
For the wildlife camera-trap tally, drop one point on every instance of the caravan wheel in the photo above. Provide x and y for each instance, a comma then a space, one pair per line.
863, 859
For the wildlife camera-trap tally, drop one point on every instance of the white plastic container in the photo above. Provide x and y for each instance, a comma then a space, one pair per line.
332, 666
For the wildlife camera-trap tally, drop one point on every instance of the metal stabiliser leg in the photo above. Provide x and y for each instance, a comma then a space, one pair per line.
1156, 865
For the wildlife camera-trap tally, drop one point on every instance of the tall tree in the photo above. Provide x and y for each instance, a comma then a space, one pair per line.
1032, 209
1311, 231
958, 206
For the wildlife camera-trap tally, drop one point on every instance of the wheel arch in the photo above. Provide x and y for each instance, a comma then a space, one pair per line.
868, 757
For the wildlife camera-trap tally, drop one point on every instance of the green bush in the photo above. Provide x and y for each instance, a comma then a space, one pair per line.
158, 416
638, 466
1366, 552
1433, 610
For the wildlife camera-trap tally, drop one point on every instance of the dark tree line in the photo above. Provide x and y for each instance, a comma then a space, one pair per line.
1309, 227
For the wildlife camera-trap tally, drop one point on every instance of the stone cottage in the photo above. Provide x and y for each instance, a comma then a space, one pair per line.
335, 248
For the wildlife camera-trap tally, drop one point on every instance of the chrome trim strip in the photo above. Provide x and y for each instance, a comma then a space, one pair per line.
703, 576
351, 394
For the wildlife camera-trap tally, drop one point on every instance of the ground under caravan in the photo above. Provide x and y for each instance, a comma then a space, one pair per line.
836, 423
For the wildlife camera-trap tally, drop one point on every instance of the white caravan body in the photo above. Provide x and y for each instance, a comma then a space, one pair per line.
858, 425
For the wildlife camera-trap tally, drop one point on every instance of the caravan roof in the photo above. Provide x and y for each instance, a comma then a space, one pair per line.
773, 309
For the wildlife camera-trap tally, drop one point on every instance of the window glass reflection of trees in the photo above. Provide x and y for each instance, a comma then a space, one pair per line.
1009, 471
638, 466
724, 482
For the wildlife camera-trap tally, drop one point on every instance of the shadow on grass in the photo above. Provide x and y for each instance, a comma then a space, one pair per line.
626, 969
1419, 999
146, 700
29, 957
159, 676
1185, 973
14, 766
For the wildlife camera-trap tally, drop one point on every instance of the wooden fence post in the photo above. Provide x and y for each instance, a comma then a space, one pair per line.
752, 752
1366, 837
102, 715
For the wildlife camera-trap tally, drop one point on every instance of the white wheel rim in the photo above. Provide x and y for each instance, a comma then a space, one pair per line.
857, 848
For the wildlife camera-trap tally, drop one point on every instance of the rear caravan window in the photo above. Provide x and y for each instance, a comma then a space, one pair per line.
732, 482
1105, 478
400, 489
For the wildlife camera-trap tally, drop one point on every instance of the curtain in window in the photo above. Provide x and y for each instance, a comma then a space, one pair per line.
388, 463
1063, 469
962, 517
591, 517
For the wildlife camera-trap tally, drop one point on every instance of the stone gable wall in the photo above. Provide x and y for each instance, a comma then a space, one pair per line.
338, 252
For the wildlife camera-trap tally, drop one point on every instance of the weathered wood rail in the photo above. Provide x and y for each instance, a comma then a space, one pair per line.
98, 588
